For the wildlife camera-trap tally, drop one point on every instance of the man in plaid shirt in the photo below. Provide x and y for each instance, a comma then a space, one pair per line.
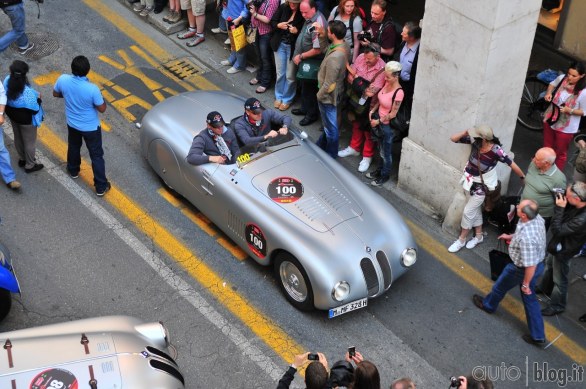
527, 251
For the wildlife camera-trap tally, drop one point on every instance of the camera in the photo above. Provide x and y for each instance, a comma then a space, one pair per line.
454, 382
365, 36
556, 191
313, 357
352, 351
311, 29
254, 3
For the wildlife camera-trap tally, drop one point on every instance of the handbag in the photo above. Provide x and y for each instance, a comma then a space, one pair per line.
308, 69
251, 33
499, 259
376, 133
552, 114
237, 38
400, 123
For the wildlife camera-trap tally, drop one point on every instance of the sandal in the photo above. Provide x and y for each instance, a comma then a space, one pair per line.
261, 89
254, 81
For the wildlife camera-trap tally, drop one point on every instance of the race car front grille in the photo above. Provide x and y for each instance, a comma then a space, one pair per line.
385, 267
171, 370
161, 354
370, 276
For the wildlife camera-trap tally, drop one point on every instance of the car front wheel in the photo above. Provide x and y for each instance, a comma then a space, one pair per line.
294, 282
5, 303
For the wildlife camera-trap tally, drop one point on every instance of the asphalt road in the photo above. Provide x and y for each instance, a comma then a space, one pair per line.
142, 252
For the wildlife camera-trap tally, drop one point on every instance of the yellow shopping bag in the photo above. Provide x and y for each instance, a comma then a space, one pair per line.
237, 38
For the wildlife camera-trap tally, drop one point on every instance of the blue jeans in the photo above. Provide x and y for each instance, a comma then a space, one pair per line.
5, 167
93, 142
557, 270
222, 22
16, 14
328, 141
513, 276
286, 83
386, 149
263, 51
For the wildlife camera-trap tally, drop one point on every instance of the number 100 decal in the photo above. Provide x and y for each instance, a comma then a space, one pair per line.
256, 240
285, 190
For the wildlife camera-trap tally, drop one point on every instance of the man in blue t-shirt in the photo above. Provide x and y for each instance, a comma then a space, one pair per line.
83, 101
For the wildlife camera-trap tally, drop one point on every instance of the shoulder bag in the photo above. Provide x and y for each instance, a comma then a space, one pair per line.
492, 197
552, 114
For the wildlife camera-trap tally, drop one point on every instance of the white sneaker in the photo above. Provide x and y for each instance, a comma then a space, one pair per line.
474, 242
348, 151
218, 30
456, 246
227, 41
225, 63
364, 164
233, 70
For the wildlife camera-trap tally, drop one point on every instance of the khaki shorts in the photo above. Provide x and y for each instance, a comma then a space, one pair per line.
198, 7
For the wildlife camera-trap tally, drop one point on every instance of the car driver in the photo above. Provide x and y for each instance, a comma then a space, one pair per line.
216, 143
256, 124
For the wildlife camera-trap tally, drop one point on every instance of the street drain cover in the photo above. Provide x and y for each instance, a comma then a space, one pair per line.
183, 68
45, 44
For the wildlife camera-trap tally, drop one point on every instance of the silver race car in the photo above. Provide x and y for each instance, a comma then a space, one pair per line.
333, 242
105, 352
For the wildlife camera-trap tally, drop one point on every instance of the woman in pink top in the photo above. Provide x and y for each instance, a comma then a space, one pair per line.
389, 101
571, 100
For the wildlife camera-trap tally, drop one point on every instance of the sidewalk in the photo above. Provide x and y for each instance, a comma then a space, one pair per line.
525, 142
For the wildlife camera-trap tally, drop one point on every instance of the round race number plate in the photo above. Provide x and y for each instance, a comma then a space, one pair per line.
54, 379
285, 190
256, 240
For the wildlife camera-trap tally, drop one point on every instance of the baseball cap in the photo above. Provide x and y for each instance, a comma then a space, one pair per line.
214, 119
253, 104
481, 131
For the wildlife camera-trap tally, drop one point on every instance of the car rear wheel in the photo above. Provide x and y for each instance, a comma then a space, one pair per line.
294, 282
5, 303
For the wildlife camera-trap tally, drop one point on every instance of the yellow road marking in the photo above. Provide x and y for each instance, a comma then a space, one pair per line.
285, 346
204, 223
511, 305
146, 43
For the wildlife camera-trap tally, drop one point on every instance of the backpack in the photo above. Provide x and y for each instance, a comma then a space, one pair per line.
351, 21
398, 31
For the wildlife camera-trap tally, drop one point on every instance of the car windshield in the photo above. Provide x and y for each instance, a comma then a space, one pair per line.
251, 153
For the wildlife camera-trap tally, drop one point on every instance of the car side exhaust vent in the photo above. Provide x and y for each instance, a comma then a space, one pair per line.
370, 276
385, 267
161, 354
158, 365
236, 225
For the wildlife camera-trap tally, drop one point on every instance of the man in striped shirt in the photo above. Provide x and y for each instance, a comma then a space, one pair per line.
527, 251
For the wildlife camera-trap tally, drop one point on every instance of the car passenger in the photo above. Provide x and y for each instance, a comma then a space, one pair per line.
216, 143
256, 124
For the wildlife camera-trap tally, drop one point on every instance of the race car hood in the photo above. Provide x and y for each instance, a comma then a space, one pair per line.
321, 200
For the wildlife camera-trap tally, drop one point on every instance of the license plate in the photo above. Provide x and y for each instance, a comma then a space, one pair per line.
354, 305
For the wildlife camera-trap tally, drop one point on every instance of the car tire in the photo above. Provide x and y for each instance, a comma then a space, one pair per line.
5, 303
293, 281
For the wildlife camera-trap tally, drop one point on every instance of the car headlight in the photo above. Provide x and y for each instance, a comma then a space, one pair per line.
341, 291
408, 257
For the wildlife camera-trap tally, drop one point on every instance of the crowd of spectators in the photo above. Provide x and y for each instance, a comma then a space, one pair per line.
296, 36
355, 372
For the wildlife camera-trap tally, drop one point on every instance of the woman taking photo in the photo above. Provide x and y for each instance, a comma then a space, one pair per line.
479, 176
286, 23
560, 127
381, 114
261, 20
347, 12
25, 112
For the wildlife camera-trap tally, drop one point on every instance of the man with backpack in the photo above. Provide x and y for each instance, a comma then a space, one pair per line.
14, 9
